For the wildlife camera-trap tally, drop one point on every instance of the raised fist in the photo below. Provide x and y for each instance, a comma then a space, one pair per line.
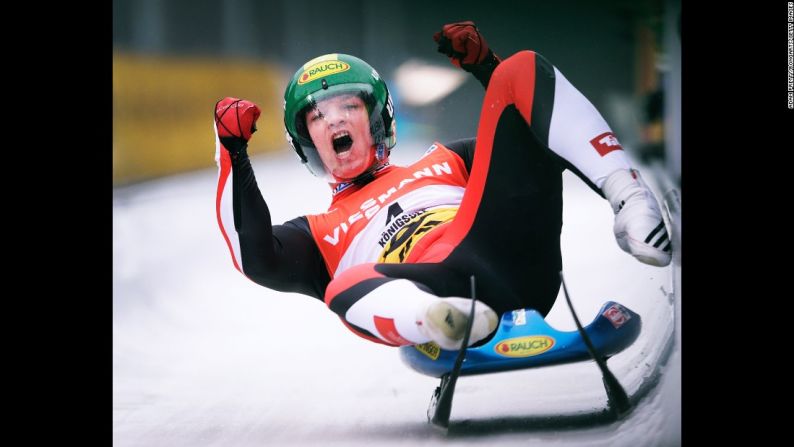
236, 118
462, 43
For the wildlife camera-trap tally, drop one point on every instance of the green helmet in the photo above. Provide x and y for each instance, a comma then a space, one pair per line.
330, 75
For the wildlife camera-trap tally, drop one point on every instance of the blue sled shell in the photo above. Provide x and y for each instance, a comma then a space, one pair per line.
524, 340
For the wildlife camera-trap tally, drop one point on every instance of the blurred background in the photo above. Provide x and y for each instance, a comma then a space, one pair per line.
173, 59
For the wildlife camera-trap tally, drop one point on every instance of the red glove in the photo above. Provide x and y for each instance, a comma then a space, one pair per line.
236, 118
462, 43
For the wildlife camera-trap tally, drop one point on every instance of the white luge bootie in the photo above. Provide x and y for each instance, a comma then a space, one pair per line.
639, 227
444, 322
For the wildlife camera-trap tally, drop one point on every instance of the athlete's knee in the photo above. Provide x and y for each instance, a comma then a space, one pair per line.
346, 281
347, 289
521, 57
520, 63
514, 81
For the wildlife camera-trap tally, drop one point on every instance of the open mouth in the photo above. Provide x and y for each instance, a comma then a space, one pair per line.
342, 142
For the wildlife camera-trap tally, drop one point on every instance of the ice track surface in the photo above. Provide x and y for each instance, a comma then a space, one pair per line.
204, 357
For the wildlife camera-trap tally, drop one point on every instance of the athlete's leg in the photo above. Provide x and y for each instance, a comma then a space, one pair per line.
533, 124
580, 136
397, 311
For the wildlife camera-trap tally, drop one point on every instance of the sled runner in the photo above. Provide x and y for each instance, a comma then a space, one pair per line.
524, 340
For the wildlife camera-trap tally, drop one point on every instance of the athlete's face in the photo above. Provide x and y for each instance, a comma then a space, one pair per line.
339, 127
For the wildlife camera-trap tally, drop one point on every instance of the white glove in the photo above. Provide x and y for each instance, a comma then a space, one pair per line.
639, 227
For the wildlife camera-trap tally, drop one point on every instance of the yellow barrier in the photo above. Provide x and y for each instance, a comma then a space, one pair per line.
162, 111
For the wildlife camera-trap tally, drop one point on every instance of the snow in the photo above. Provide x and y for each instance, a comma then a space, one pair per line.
204, 357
